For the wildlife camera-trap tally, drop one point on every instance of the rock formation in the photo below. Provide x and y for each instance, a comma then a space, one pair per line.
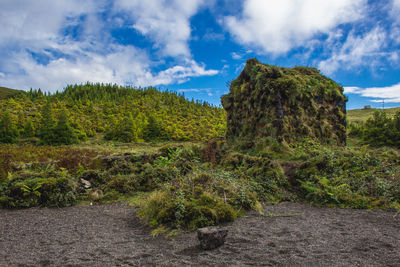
286, 104
211, 237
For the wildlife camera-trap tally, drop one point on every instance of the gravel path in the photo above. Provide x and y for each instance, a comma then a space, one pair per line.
291, 234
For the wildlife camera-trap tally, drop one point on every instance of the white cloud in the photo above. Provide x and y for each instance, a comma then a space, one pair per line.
213, 36
278, 26
37, 22
189, 90
167, 23
390, 94
208, 91
395, 7
395, 27
36, 49
351, 90
236, 55
122, 65
182, 73
357, 51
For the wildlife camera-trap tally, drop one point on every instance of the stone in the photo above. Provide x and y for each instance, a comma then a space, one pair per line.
211, 237
86, 184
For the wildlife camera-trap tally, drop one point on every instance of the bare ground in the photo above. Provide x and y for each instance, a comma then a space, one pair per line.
291, 234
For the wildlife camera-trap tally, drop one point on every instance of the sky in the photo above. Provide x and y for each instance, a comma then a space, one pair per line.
196, 47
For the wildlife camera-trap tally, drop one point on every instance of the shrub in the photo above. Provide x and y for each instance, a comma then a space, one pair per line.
30, 188
379, 130
8, 129
357, 178
176, 209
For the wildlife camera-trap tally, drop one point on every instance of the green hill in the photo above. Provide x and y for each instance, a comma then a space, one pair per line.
361, 115
8, 92
110, 109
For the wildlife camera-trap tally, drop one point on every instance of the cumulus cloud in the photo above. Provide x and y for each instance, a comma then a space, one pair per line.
390, 94
395, 7
72, 43
395, 27
182, 73
167, 23
357, 51
25, 23
122, 65
278, 26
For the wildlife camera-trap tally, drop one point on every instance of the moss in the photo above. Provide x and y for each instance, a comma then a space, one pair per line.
286, 104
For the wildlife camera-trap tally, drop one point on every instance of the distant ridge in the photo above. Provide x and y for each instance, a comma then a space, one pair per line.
361, 115
8, 92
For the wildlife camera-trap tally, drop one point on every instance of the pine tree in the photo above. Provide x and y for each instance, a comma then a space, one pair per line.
153, 130
47, 124
8, 130
64, 134
20, 121
29, 130
125, 130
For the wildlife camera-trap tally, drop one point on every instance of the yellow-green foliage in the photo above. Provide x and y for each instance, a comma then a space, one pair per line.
362, 115
99, 108
284, 103
379, 130
180, 187
38, 186
351, 177
7, 92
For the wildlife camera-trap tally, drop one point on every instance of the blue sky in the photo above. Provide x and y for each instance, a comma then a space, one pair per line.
196, 46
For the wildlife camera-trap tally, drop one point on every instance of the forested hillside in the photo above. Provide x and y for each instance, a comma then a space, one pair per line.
8, 92
122, 113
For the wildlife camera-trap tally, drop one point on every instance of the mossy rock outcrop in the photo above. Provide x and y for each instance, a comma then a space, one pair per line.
286, 104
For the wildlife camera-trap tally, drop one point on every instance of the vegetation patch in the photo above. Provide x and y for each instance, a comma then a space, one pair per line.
351, 177
284, 103
378, 130
122, 114
284, 127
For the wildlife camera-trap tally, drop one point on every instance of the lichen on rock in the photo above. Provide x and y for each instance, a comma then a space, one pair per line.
286, 104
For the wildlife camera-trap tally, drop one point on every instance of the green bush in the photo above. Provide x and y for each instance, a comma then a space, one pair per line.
177, 209
358, 178
49, 188
8, 129
379, 130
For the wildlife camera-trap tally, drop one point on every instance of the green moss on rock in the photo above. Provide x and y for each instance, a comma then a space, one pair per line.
286, 104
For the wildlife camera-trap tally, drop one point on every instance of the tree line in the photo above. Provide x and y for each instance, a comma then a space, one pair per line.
123, 114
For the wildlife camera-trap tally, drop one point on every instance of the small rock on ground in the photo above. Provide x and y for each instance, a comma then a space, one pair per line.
211, 237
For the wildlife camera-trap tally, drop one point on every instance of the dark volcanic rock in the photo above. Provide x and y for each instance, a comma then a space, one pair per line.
285, 104
211, 237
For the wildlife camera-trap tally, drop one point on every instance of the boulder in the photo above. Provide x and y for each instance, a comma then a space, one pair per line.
285, 104
85, 183
211, 237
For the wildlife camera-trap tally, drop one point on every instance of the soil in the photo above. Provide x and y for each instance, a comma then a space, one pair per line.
290, 234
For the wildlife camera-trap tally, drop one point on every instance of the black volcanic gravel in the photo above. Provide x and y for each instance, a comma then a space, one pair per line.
291, 234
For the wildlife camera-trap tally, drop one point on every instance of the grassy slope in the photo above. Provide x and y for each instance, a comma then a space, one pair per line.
361, 115
8, 92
